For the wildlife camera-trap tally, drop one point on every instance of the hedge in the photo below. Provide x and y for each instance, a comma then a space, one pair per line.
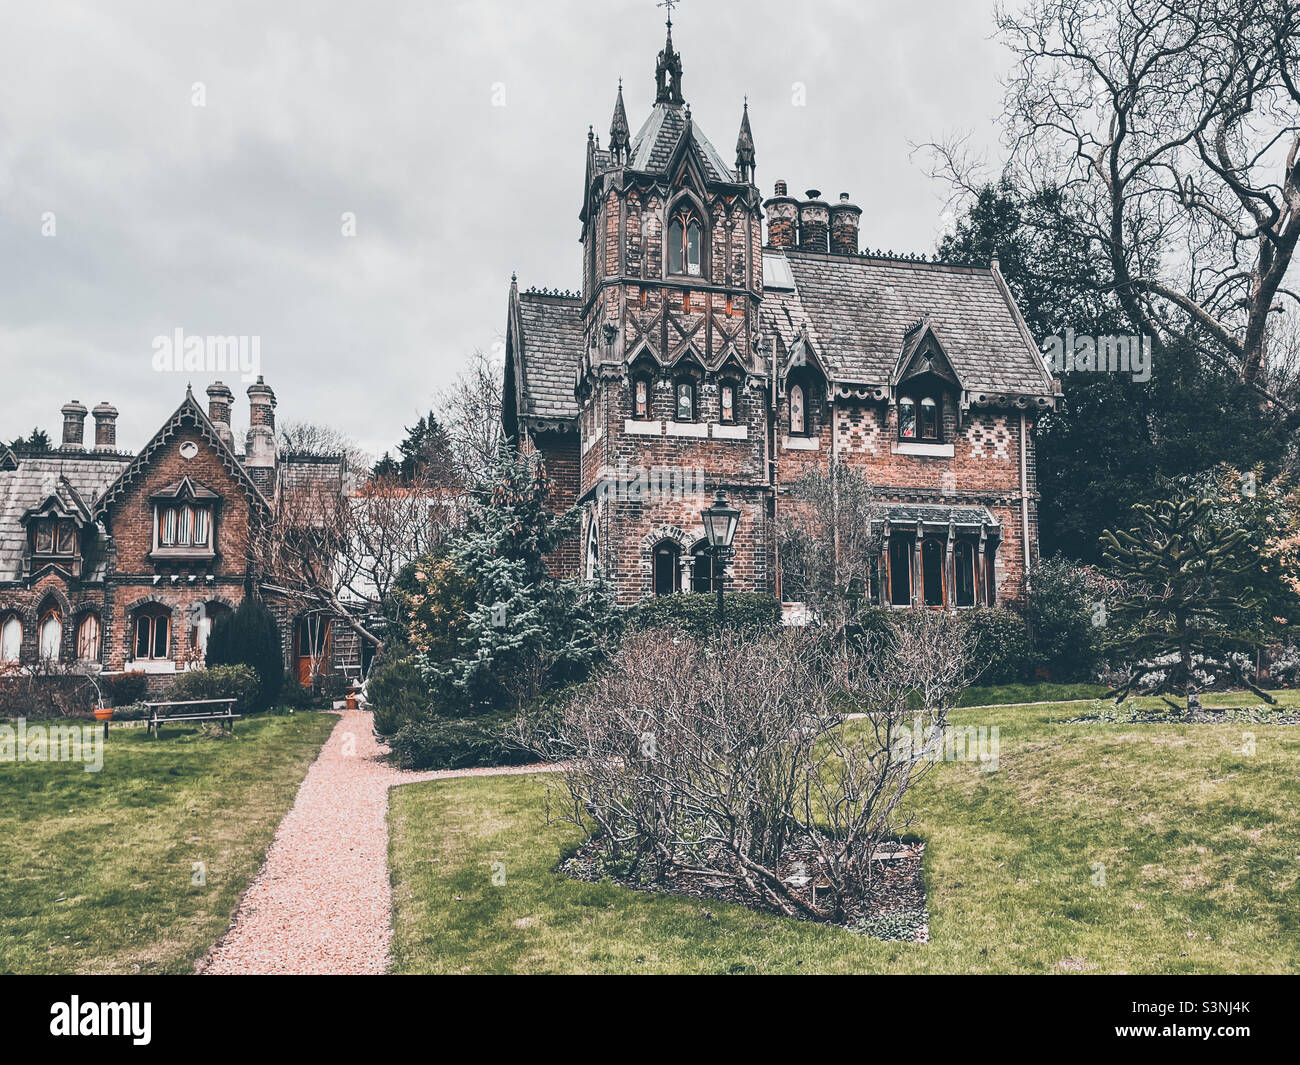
751, 612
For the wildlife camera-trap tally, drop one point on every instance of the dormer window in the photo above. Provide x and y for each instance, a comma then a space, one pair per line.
54, 537
798, 411
684, 239
918, 419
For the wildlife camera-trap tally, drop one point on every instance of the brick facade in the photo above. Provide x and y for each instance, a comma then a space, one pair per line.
629, 373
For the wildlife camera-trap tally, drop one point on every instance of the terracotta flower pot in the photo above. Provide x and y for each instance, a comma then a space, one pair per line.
103, 713
352, 700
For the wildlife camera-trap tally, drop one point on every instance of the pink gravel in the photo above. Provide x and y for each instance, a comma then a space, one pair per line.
321, 903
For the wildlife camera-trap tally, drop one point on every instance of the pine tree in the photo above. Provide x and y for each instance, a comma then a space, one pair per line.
250, 636
1188, 578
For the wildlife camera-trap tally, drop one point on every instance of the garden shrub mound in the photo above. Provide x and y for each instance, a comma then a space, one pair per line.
749, 612
1109, 713
728, 767
893, 908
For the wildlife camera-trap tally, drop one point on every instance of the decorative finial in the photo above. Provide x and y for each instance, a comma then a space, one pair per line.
745, 147
668, 71
669, 4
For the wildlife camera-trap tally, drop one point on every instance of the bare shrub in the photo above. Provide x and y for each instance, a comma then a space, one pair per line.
723, 757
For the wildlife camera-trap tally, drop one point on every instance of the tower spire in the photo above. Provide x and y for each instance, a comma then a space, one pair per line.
745, 147
619, 134
668, 71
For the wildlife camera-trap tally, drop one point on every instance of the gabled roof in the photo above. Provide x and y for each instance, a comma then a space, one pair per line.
185, 488
544, 345
923, 353
72, 480
656, 143
861, 312
61, 500
188, 414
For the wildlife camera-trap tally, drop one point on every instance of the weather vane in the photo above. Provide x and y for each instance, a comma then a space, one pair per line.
669, 4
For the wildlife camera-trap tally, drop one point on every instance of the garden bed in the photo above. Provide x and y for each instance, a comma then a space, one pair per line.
895, 909
1256, 714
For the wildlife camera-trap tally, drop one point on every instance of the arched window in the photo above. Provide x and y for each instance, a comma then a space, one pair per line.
701, 567
900, 571
11, 639
964, 564
666, 570
153, 628
684, 391
88, 639
727, 402
798, 419
932, 572
641, 396
50, 635
907, 418
684, 240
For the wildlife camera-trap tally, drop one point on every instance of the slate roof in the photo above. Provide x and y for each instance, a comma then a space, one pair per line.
78, 478
655, 142
548, 352
859, 312
934, 514
311, 486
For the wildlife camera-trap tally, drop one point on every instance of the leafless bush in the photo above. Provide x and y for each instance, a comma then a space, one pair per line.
723, 757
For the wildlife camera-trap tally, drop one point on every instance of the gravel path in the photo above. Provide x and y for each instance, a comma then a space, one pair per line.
321, 902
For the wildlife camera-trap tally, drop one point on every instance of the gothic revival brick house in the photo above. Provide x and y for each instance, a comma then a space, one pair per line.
698, 343
123, 562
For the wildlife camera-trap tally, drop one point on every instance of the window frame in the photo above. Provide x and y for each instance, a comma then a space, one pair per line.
643, 377
89, 618
9, 619
681, 224
688, 382
154, 619
926, 429
723, 385
971, 552
908, 545
933, 547
55, 615
186, 519
671, 550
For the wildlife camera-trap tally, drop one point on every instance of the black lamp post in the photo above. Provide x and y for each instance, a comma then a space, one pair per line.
720, 528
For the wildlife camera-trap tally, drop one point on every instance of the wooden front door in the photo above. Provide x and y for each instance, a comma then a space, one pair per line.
313, 647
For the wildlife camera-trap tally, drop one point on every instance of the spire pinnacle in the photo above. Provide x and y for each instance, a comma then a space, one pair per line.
619, 134
745, 147
668, 71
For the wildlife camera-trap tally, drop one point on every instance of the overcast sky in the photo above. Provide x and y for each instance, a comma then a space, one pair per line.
227, 218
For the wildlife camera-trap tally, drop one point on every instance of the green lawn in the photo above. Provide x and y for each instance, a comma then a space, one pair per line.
1200, 844
97, 870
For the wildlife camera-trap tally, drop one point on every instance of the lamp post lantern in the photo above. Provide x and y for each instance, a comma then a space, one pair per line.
720, 527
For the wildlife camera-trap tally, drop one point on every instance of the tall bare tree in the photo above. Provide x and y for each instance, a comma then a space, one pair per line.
470, 411
1172, 127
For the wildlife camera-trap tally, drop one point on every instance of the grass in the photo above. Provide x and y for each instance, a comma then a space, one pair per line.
1196, 838
97, 870
1038, 692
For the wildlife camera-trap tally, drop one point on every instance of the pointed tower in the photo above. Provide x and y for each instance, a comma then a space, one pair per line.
619, 134
745, 148
669, 375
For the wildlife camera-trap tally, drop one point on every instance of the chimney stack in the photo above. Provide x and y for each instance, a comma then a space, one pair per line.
844, 226
782, 211
259, 443
105, 426
74, 425
221, 403
814, 222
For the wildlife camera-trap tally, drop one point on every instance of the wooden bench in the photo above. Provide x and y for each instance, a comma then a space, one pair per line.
222, 710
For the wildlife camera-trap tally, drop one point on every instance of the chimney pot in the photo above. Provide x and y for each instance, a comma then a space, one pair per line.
74, 425
782, 189
782, 218
814, 222
845, 217
105, 426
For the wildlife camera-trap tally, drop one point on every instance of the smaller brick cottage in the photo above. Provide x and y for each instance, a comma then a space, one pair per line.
116, 562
